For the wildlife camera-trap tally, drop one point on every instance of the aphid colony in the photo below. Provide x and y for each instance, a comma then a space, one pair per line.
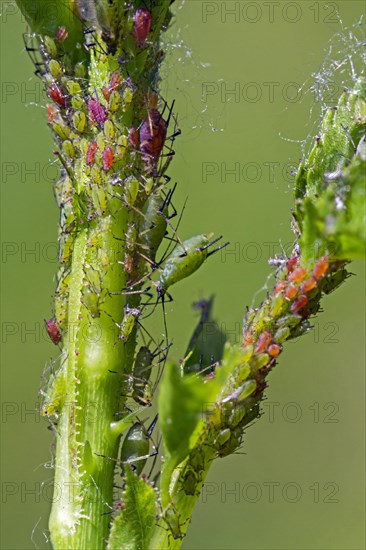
283, 315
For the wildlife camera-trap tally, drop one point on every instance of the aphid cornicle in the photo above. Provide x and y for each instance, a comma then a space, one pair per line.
185, 260
135, 448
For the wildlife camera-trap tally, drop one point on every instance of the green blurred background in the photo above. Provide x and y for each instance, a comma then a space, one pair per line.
300, 483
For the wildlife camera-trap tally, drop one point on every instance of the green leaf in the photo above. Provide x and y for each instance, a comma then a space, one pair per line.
45, 18
133, 528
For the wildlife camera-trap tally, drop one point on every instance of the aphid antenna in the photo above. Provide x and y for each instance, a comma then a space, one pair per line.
216, 249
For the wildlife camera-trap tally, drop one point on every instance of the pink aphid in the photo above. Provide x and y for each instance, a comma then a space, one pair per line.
97, 111
108, 158
141, 26
90, 155
61, 34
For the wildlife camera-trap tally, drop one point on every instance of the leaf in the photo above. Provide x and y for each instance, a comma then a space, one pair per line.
182, 403
133, 528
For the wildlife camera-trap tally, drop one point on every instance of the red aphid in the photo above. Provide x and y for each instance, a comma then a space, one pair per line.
90, 155
53, 331
290, 292
263, 341
97, 111
51, 114
133, 137
299, 303
280, 286
61, 34
321, 267
298, 274
292, 263
106, 93
108, 158
57, 95
308, 285
152, 136
274, 350
141, 26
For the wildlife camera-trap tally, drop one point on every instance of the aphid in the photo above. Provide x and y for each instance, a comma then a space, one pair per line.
97, 111
292, 263
154, 224
108, 158
133, 137
321, 267
141, 26
280, 286
307, 285
90, 155
290, 292
141, 375
135, 448
153, 132
298, 274
128, 323
274, 350
79, 120
263, 341
185, 260
53, 331
61, 34
55, 68
51, 114
58, 96
299, 303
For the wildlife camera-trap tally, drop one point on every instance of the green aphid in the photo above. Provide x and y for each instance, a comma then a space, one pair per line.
66, 247
131, 190
282, 334
135, 448
77, 102
189, 482
68, 148
142, 368
90, 299
79, 121
61, 130
288, 321
260, 361
114, 101
109, 131
185, 260
128, 95
128, 323
277, 305
154, 224
73, 87
231, 444
236, 415
55, 68
50, 46
222, 437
